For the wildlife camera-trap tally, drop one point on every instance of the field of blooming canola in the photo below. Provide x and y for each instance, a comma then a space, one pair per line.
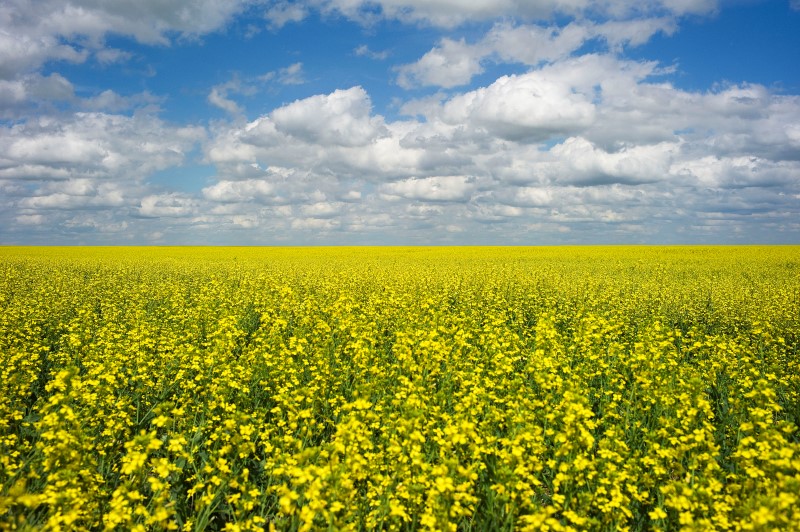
400, 388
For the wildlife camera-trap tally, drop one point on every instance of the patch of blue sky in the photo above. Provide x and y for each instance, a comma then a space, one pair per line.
746, 42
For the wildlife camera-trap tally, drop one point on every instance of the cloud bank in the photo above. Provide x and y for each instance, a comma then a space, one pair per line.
572, 142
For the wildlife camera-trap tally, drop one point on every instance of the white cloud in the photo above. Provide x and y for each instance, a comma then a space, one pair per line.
218, 98
30, 219
533, 44
36, 32
69, 201
56, 149
620, 129
12, 93
21, 52
239, 191
45, 30
450, 64
314, 224
245, 222
736, 172
437, 188
574, 144
533, 197
451, 13
590, 141
94, 224
453, 63
364, 50
342, 118
53, 87
291, 75
108, 56
583, 163
532, 106
321, 209
282, 12
221, 95
18, 96
113, 102
93, 145
74, 194
633, 32
167, 206
351, 196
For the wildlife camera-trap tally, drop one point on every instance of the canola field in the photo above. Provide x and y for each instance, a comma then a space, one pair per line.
586, 388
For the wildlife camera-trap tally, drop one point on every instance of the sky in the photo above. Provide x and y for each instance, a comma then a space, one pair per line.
399, 122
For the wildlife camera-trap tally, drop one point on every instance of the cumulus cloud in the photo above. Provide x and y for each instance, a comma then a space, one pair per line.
570, 148
113, 102
171, 205
603, 118
321, 209
290, 75
108, 56
239, 191
453, 63
571, 144
20, 95
93, 145
105, 197
223, 94
281, 13
342, 118
581, 162
22, 53
451, 13
437, 188
36, 32
736, 172
533, 106
364, 50
30, 219
314, 224
218, 98
450, 64
532, 197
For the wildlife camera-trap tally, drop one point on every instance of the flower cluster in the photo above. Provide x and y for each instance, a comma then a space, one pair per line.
400, 388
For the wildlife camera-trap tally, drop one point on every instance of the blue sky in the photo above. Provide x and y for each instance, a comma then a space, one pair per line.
399, 122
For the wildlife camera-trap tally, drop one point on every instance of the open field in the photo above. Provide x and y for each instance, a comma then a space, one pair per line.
402, 388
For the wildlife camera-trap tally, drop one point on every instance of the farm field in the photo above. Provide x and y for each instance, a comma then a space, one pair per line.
554, 388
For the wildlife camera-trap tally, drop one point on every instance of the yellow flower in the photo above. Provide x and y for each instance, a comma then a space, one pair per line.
658, 513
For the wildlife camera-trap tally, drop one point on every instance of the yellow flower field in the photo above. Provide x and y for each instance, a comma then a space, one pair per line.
597, 388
